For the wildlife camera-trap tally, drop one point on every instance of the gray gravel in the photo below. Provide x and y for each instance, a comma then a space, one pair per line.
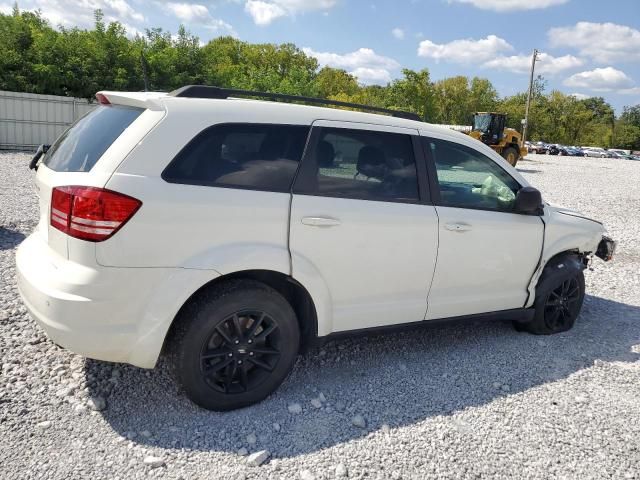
449, 402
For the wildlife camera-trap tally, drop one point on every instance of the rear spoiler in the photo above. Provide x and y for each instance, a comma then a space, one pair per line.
150, 100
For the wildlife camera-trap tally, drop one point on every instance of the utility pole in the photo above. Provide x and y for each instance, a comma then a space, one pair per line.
526, 113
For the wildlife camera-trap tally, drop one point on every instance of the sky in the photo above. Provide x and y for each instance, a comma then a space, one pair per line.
588, 47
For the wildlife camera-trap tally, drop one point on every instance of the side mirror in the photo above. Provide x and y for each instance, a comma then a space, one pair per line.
528, 201
42, 149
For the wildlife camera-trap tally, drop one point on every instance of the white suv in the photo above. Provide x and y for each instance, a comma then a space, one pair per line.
234, 232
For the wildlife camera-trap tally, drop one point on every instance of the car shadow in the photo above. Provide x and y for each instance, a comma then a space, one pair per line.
9, 238
391, 380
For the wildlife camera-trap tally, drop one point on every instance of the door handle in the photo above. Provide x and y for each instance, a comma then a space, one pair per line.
458, 227
320, 221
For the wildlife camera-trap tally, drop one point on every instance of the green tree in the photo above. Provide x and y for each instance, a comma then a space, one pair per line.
333, 81
631, 115
483, 97
452, 100
34, 57
414, 92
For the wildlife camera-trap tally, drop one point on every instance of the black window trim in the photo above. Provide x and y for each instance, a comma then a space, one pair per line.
306, 172
232, 186
433, 176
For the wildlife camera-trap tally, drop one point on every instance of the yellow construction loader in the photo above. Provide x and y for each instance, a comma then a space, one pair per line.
488, 127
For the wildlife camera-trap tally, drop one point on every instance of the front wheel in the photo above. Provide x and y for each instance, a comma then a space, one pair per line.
511, 155
235, 344
557, 307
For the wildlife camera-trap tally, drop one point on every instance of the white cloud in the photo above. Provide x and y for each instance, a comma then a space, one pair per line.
80, 13
6, 8
398, 33
511, 5
489, 53
363, 57
189, 12
132, 31
371, 76
546, 64
121, 7
364, 63
579, 96
264, 12
630, 91
199, 14
600, 80
603, 42
465, 51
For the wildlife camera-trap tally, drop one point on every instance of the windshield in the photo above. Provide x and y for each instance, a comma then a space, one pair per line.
79, 148
482, 122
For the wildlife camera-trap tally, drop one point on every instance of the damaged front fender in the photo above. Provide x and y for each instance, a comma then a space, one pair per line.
566, 232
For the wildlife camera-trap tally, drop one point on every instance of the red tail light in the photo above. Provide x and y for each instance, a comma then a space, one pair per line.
90, 213
102, 99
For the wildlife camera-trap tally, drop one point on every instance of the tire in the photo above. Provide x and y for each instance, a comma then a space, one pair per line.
234, 345
557, 305
511, 155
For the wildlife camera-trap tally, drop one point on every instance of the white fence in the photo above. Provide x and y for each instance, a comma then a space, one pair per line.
28, 120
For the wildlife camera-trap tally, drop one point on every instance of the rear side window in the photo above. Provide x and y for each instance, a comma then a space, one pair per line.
81, 146
362, 164
252, 156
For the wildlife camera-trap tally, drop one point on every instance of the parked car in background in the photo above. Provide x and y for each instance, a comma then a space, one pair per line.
536, 147
620, 151
619, 154
553, 150
575, 151
233, 233
595, 152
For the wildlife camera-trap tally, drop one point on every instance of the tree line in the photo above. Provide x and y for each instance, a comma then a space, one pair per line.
37, 58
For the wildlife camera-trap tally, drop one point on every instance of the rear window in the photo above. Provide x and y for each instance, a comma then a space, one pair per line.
250, 156
79, 148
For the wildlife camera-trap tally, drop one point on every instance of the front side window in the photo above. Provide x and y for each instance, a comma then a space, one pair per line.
253, 156
361, 164
469, 179
81, 146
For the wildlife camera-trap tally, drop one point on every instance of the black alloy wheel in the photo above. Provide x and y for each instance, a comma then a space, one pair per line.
234, 344
241, 352
562, 305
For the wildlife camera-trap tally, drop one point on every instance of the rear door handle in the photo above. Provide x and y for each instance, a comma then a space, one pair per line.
458, 227
320, 221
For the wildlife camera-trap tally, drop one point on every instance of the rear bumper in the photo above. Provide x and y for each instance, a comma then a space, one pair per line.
94, 311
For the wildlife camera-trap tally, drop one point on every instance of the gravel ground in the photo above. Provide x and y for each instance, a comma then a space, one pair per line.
466, 401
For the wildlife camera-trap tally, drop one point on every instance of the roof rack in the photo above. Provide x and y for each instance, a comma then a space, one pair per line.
205, 91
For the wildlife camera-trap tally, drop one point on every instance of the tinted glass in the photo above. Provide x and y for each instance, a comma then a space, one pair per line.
469, 179
263, 157
364, 165
79, 148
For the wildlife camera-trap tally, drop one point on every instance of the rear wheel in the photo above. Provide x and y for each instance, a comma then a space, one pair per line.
235, 345
511, 155
557, 307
